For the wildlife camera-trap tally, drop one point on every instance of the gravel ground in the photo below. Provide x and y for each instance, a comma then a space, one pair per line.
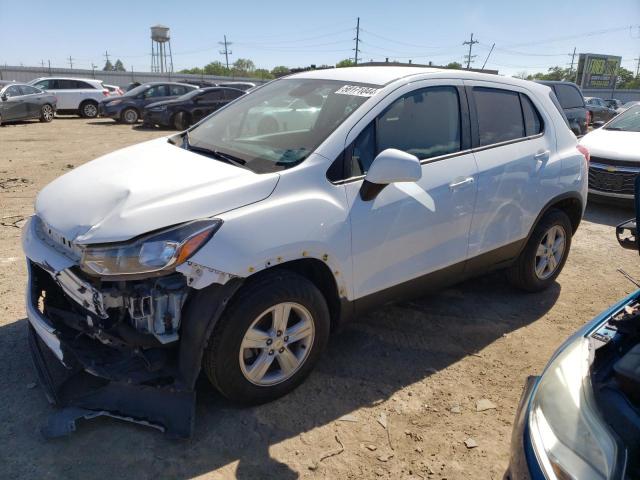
395, 394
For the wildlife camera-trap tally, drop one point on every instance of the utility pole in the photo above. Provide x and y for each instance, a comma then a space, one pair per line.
106, 56
637, 66
93, 70
70, 62
226, 52
487, 59
573, 56
470, 57
49, 61
357, 39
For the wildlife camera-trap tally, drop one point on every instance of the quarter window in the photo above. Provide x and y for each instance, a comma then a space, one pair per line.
424, 123
532, 120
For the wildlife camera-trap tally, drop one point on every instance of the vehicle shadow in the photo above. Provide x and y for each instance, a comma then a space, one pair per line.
608, 213
371, 359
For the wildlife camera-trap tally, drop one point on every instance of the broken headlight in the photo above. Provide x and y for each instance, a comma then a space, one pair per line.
569, 437
151, 253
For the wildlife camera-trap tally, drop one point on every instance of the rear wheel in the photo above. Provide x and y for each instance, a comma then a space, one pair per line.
268, 340
46, 113
89, 109
130, 116
545, 254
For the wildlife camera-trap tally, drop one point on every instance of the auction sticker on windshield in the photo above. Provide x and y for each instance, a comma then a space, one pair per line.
357, 91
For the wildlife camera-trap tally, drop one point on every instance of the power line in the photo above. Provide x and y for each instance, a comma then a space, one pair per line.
357, 39
470, 57
226, 52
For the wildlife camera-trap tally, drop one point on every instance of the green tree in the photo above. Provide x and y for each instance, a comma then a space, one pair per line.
347, 62
108, 66
119, 67
280, 71
522, 75
262, 73
627, 79
243, 66
193, 71
454, 65
554, 73
215, 68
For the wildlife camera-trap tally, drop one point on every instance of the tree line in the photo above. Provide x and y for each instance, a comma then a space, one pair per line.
626, 79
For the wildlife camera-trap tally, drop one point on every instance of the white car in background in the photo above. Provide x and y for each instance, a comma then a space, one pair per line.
114, 90
78, 96
237, 252
615, 156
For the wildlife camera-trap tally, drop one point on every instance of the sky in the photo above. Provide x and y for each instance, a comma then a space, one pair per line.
528, 36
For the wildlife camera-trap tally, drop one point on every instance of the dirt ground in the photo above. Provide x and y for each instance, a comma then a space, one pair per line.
416, 368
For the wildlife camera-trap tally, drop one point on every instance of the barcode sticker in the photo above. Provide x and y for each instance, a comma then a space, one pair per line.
357, 91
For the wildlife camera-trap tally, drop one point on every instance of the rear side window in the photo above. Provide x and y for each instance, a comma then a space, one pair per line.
568, 96
213, 96
177, 90
232, 94
83, 85
499, 115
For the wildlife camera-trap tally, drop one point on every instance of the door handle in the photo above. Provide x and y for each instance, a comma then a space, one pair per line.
461, 183
540, 158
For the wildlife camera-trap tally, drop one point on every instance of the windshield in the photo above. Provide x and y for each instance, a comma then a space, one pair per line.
280, 124
135, 91
628, 121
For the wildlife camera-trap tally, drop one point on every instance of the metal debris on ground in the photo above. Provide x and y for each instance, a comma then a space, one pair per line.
334, 453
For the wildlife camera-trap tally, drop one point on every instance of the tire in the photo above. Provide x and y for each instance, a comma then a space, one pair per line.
227, 364
129, 116
46, 113
89, 109
527, 273
181, 121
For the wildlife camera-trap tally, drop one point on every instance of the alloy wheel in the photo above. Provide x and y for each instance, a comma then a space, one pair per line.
550, 252
90, 110
47, 113
130, 116
276, 344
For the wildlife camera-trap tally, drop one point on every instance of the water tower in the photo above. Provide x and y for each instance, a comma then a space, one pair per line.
161, 60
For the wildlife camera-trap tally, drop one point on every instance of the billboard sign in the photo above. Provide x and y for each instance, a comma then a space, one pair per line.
597, 71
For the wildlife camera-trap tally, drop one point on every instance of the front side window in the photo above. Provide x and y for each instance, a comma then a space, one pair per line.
29, 90
424, 123
13, 91
499, 115
279, 125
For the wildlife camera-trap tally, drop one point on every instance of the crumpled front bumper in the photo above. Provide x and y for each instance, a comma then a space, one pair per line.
80, 385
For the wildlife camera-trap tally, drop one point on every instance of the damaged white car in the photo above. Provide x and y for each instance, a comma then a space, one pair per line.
236, 253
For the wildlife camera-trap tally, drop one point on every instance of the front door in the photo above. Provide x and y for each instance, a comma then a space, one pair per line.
412, 229
14, 106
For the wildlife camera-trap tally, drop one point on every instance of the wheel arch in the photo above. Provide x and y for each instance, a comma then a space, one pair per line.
570, 203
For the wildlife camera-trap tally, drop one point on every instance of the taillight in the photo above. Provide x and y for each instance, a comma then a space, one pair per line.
583, 150
105, 93
588, 117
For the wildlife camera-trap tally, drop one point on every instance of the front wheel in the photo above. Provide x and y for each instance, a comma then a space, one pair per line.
46, 113
181, 121
130, 116
269, 339
545, 254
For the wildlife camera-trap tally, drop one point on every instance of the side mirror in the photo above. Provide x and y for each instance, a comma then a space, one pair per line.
390, 166
4, 97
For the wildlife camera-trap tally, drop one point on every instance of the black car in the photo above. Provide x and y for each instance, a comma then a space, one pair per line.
188, 109
600, 112
572, 102
613, 103
22, 102
128, 107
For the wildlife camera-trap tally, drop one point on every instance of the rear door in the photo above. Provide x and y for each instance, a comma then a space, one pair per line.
517, 172
13, 104
66, 93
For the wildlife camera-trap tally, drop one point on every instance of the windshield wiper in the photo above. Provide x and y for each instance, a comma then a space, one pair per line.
613, 128
225, 157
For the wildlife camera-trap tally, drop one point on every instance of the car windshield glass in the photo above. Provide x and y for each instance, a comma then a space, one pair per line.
628, 121
280, 124
138, 90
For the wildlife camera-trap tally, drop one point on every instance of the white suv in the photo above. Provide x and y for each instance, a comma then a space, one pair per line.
239, 251
75, 95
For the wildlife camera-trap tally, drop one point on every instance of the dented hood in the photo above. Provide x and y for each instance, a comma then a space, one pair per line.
143, 188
